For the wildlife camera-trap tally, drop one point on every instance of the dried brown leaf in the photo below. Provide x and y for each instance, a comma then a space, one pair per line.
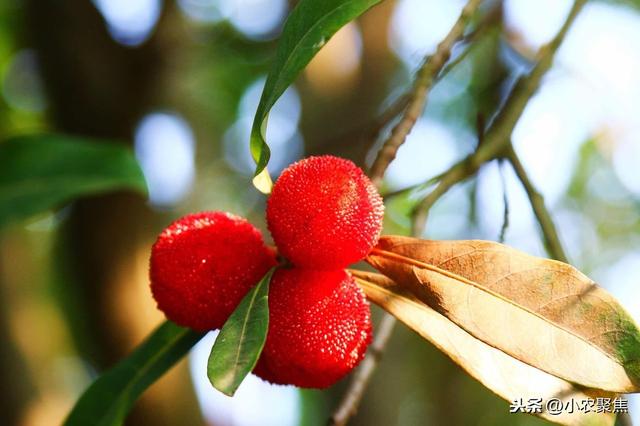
542, 312
508, 377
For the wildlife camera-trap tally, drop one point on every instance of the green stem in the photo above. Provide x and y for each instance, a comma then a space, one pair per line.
551, 239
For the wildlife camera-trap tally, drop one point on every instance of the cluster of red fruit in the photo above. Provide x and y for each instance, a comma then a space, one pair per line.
323, 214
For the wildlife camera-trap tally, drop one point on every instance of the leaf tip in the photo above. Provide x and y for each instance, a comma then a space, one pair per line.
262, 181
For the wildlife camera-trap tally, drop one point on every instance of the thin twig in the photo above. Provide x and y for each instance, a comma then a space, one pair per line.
430, 69
424, 80
492, 18
497, 138
413, 188
454, 175
357, 387
499, 134
371, 131
505, 201
551, 239
387, 115
494, 144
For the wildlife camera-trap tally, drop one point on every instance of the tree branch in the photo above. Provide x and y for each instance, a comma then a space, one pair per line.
352, 397
496, 141
366, 135
424, 80
551, 239
415, 104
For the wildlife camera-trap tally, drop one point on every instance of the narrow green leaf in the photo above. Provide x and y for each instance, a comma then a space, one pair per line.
308, 28
241, 340
40, 172
108, 400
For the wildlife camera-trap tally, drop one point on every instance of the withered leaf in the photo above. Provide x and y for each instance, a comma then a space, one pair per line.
542, 312
508, 377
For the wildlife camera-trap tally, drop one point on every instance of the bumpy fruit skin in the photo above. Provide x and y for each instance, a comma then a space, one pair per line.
324, 213
203, 264
319, 328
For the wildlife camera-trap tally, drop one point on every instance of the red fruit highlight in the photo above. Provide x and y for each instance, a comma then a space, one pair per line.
203, 264
319, 328
324, 213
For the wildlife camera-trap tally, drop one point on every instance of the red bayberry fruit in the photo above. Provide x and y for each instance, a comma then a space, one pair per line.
203, 264
319, 328
324, 213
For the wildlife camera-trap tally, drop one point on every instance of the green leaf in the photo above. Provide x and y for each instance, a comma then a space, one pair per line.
241, 340
308, 28
110, 397
40, 172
